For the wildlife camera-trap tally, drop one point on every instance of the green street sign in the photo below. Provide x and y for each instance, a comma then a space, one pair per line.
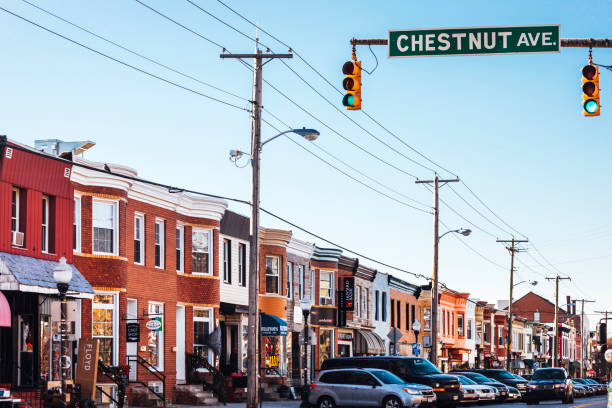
438, 42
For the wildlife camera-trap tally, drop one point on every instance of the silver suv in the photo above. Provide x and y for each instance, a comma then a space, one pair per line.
367, 387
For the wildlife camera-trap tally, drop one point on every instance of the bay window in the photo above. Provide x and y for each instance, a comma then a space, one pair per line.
272, 274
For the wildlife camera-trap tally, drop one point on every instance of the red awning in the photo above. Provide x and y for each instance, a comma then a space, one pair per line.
5, 312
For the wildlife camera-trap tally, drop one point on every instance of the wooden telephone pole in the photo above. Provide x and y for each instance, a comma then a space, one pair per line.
556, 338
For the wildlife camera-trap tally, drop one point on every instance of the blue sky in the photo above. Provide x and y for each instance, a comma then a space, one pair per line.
510, 126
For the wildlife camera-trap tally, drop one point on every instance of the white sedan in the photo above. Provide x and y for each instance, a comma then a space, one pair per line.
473, 392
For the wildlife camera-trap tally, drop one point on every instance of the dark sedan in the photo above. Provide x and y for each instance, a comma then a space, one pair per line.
550, 384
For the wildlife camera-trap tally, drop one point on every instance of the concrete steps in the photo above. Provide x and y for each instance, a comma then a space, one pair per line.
193, 394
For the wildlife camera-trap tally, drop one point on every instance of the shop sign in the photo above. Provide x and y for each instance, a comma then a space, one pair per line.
324, 316
341, 309
87, 367
344, 336
154, 324
349, 290
132, 331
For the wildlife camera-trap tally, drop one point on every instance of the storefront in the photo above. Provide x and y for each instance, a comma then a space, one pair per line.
323, 320
273, 346
345, 343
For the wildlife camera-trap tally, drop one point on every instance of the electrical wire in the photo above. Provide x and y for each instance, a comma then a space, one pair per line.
125, 63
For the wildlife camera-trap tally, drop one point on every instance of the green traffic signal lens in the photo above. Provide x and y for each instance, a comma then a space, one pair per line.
591, 106
348, 100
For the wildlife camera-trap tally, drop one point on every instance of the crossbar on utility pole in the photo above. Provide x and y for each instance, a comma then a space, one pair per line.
556, 329
512, 249
582, 334
565, 42
253, 319
433, 357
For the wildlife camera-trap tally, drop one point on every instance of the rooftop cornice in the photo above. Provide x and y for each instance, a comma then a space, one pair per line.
275, 237
300, 248
326, 254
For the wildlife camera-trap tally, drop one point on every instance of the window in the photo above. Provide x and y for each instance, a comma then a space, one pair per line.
392, 312
407, 317
200, 251
487, 332
444, 327
383, 303
326, 345
365, 300
312, 285
180, 247
536, 316
44, 226
376, 304
242, 264
427, 319
272, 274
76, 225
399, 315
103, 326
104, 220
301, 281
412, 315
289, 280
357, 302
469, 329
227, 261
460, 328
139, 248
500, 336
202, 327
15, 210
155, 338
326, 287
160, 244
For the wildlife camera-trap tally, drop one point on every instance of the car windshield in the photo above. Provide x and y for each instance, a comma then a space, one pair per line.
591, 381
580, 381
504, 374
386, 377
479, 378
465, 381
420, 366
549, 375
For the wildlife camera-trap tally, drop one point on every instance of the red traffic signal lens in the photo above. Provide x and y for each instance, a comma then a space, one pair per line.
348, 84
589, 88
589, 72
348, 68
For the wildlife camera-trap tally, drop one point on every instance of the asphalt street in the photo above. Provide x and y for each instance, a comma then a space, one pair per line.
593, 402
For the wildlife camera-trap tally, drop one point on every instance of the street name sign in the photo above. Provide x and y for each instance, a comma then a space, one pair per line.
439, 42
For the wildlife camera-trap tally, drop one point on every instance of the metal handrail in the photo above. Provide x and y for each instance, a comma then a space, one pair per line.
156, 373
196, 361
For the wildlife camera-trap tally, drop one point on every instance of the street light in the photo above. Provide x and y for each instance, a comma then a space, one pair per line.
433, 357
306, 305
253, 320
62, 274
532, 283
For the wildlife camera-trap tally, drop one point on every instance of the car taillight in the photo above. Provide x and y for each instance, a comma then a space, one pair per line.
312, 386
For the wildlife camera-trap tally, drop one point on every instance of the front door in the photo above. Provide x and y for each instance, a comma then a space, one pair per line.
131, 348
296, 360
180, 343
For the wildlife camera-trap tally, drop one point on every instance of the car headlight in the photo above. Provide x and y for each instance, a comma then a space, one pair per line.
559, 385
412, 391
533, 387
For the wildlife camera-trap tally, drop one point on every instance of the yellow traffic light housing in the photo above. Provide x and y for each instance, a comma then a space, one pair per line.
352, 85
590, 90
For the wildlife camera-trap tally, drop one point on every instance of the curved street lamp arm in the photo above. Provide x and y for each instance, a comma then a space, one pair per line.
274, 137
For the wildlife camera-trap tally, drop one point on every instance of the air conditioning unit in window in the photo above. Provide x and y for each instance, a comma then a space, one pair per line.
326, 301
17, 238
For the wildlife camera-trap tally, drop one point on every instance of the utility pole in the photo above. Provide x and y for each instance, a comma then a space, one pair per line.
253, 319
556, 338
582, 336
512, 249
433, 357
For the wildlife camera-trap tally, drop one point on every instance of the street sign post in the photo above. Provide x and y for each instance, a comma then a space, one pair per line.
438, 42
416, 349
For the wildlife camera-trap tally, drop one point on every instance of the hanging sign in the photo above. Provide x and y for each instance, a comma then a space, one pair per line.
154, 324
349, 293
87, 367
341, 308
132, 332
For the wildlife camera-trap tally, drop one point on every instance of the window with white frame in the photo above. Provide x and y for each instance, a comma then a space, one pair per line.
202, 327
500, 336
301, 281
105, 226
180, 247
326, 287
104, 326
76, 225
272, 274
364, 299
155, 338
242, 260
201, 242
289, 280
44, 226
460, 326
160, 244
227, 261
357, 302
139, 244
15, 210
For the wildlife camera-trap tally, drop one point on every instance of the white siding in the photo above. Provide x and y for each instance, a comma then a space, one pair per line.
234, 293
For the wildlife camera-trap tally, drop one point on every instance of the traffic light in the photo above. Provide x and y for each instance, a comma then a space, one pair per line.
590, 90
602, 333
352, 85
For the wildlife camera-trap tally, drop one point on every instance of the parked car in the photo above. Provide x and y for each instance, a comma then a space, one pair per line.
366, 388
527, 376
590, 389
601, 388
514, 394
550, 384
579, 390
474, 392
411, 370
502, 390
503, 376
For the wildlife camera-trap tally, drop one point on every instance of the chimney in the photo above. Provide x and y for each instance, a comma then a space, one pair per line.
569, 307
574, 308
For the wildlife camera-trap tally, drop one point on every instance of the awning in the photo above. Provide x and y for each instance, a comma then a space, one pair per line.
5, 312
27, 274
367, 342
272, 325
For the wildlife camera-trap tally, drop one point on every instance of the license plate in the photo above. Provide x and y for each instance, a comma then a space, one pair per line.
503, 393
455, 397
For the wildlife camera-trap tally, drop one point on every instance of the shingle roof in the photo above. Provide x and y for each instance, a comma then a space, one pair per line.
39, 272
235, 225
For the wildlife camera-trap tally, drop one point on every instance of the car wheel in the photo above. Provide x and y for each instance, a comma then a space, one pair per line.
392, 402
326, 402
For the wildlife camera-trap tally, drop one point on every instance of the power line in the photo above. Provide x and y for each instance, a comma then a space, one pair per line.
137, 53
125, 63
